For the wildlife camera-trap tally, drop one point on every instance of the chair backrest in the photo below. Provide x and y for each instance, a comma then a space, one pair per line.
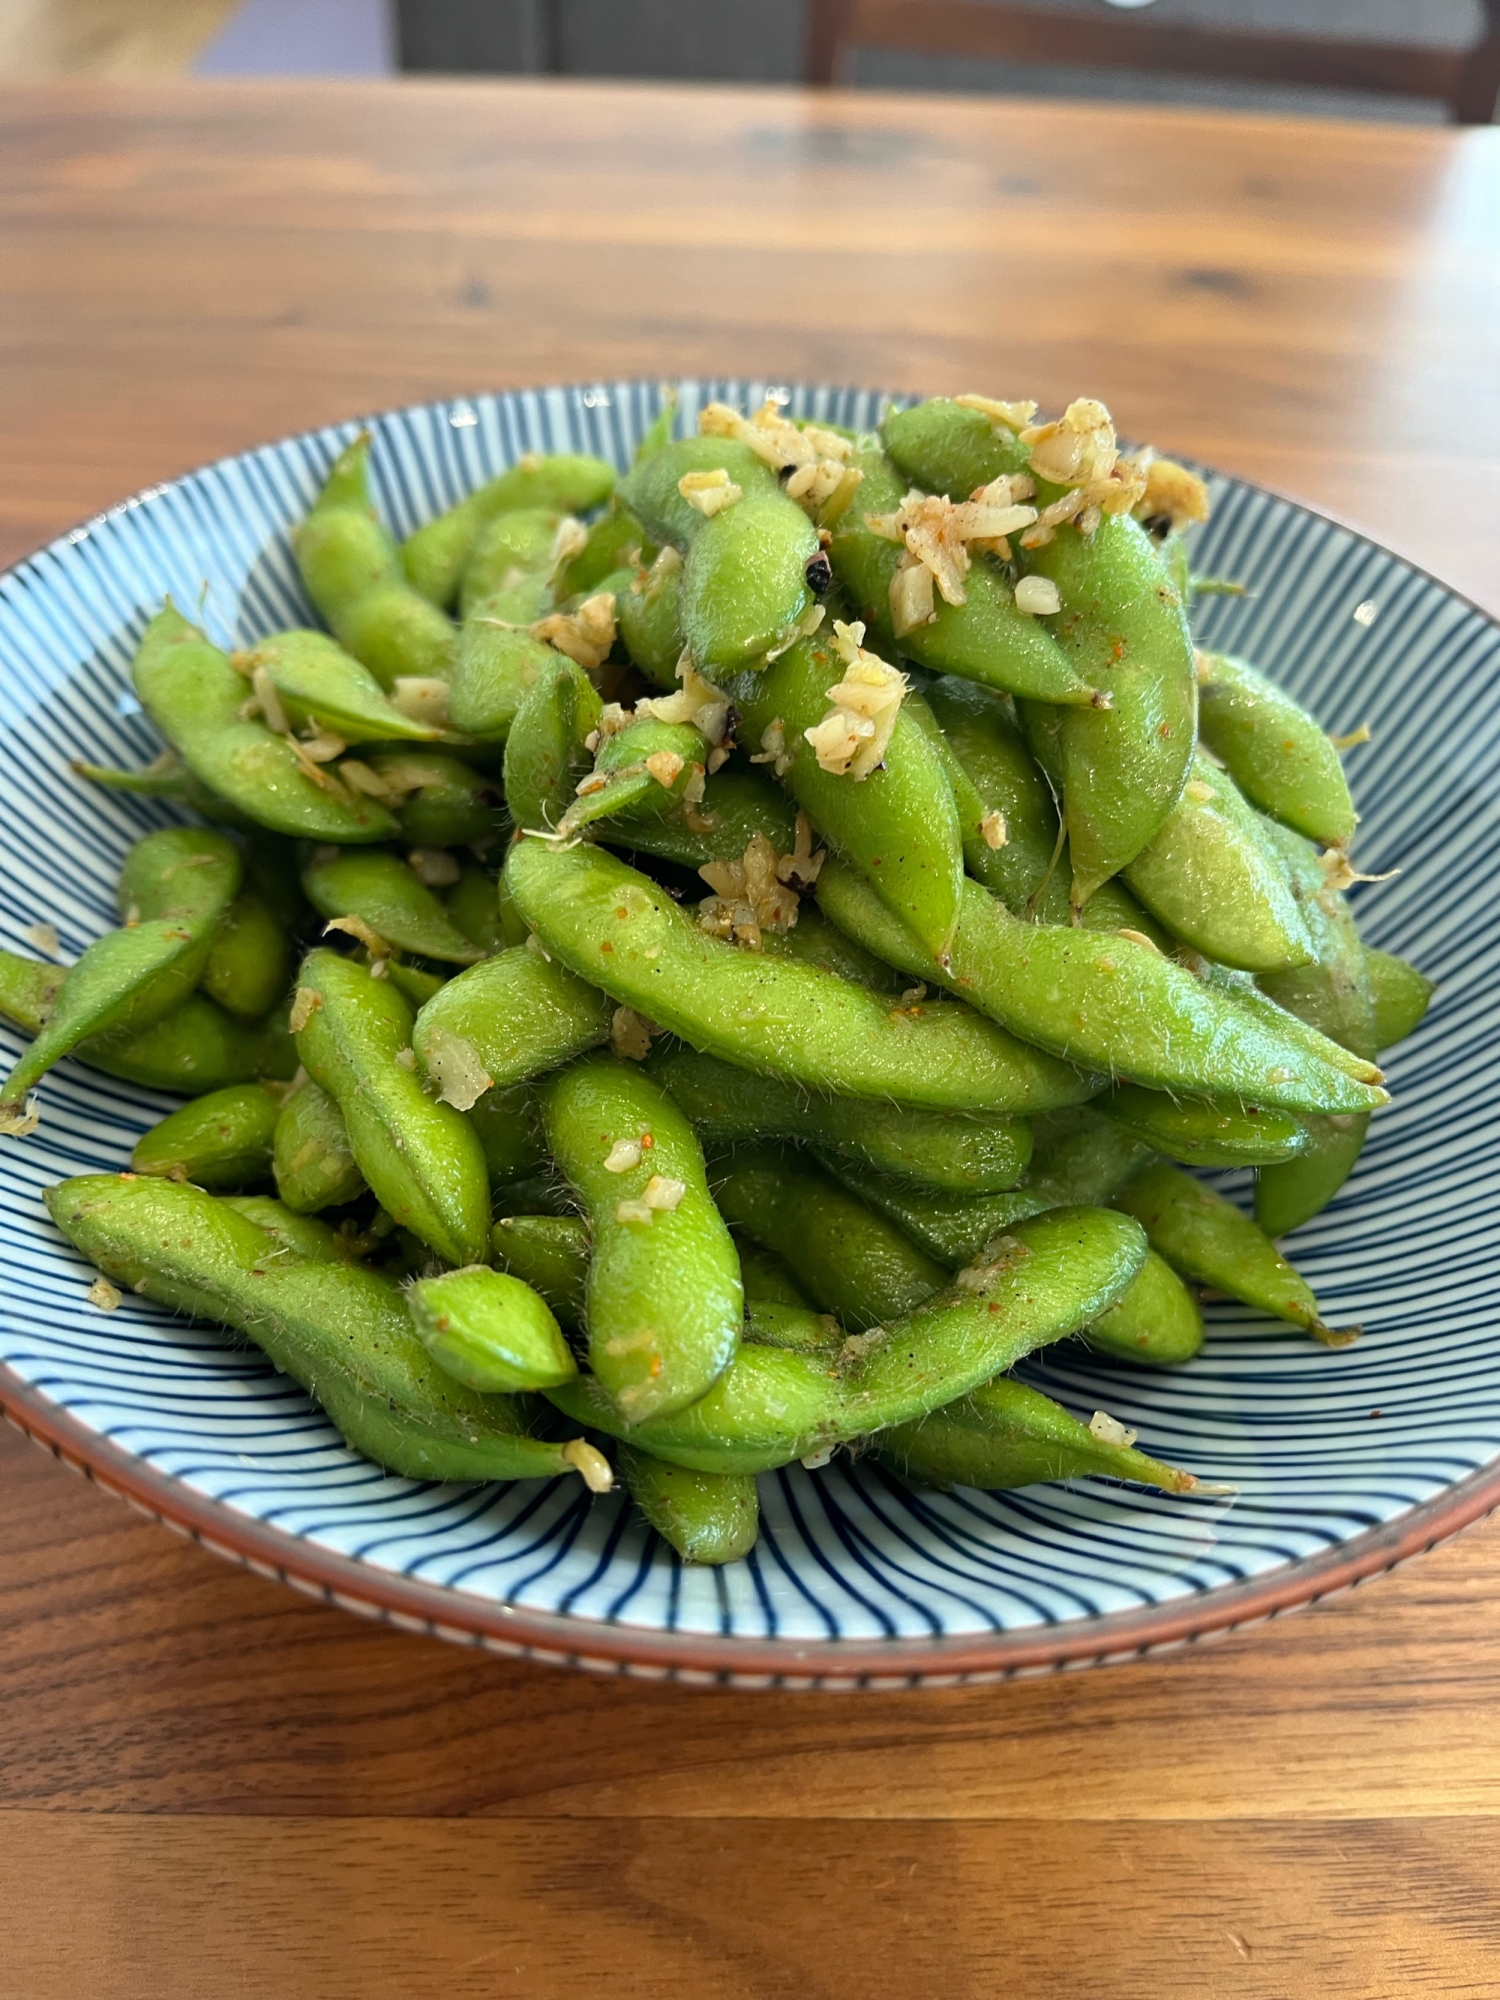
1466, 80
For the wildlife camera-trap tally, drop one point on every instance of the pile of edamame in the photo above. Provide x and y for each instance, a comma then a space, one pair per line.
691, 973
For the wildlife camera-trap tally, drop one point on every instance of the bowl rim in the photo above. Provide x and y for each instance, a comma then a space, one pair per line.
594, 1645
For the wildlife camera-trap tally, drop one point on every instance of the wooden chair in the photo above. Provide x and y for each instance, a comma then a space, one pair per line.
1466, 80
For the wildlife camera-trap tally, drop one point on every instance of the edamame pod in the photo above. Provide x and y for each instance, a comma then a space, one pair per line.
383, 893
497, 662
943, 447
520, 1013
1399, 996
166, 777
1207, 1239
994, 756
1006, 1435
174, 889
813, 940
512, 545
473, 905
316, 681
222, 1140
1105, 1002
294, 1236
1331, 993
1056, 1273
439, 800
707, 1517
546, 752
433, 556
767, 1280
1155, 1322
795, 1328
737, 807
899, 825
28, 990
311, 1158
489, 1331
1293, 1192
194, 696
665, 1304
1206, 1132
616, 541
510, 1131
648, 617
423, 1160
764, 1012
848, 1259
965, 1155
640, 774
1272, 748
1217, 883
249, 963
339, 1330
1080, 1158
551, 1254
1123, 626
195, 1048
951, 1228
985, 639
353, 573
745, 566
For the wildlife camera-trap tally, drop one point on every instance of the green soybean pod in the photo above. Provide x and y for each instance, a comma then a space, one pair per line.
173, 891
899, 824
1123, 625
952, 1229
640, 774
1206, 1132
339, 1330
648, 617
195, 1048
848, 1259
652, 489
616, 541
1272, 748
316, 681
1330, 994
813, 940
165, 777
473, 905
439, 799
221, 1140
707, 1517
1005, 1435
510, 1131
737, 807
513, 545
249, 963
194, 696
1243, 990
1155, 1323
311, 1158
389, 897
546, 752
1110, 908
944, 447
1293, 1192
497, 662
796, 1329
993, 753
422, 1160
353, 573
766, 1278
1080, 1158
272, 864
28, 990
433, 557
295, 1236
1110, 1003
1217, 883
985, 639
1207, 1239
1399, 996
519, 1012
551, 1254
1055, 1274
415, 981
764, 1012
489, 1331
965, 1155
665, 1303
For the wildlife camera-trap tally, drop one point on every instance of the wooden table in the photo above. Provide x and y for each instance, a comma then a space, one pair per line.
207, 1785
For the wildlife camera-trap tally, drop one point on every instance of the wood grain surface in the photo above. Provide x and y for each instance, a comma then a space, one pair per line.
209, 1785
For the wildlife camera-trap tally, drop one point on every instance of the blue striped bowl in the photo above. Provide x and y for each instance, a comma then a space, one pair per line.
1343, 1463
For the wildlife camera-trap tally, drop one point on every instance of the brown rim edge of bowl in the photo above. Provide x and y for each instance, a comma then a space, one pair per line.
706, 1658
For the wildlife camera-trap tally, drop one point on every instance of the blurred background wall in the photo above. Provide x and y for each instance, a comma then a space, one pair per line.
741, 40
